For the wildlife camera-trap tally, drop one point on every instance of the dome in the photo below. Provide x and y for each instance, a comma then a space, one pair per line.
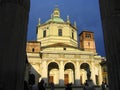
55, 19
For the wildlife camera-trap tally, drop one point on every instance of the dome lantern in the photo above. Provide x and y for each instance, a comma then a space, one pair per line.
56, 12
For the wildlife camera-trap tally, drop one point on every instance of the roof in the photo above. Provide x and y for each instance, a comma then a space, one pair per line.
85, 31
33, 41
56, 19
60, 45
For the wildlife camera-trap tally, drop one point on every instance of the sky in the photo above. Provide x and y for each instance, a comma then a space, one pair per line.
85, 12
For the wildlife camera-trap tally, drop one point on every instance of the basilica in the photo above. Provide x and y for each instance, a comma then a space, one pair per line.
62, 56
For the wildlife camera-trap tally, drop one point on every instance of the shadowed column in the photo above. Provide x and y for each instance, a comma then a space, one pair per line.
110, 15
13, 31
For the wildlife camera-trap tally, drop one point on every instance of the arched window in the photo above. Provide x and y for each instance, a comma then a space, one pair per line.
88, 35
59, 32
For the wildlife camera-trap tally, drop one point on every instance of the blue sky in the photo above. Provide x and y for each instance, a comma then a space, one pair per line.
84, 12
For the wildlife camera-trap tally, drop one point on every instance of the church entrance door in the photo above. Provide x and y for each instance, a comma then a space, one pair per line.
51, 79
66, 79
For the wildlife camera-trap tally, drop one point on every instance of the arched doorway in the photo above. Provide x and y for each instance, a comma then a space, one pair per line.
69, 73
53, 73
85, 72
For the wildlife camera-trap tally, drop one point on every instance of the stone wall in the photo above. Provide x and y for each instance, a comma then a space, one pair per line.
33, 46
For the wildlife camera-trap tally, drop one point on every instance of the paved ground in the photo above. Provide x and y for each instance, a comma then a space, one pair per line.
74, 88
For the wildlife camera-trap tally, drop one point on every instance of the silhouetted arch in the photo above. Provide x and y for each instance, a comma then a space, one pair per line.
84, 66
69, 73
53, 70
52, 65
69, 66
50, 62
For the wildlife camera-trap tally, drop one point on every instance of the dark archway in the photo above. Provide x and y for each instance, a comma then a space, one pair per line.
53, 65
86, 67
53, 69
69, 73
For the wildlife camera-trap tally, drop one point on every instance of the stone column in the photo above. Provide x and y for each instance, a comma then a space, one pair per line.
77, 74
61, 73
110, 15
45, 71
13, 31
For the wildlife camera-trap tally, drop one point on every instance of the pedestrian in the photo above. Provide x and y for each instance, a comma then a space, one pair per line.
86, 86
52, 86
68, 86
35, 87
104, 86
41, 85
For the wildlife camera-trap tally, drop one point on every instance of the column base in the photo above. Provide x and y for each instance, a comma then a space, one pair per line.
61, 82
77, 82
90, 82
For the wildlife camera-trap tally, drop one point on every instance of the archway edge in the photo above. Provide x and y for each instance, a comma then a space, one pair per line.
69, 62
85, 63
53, 62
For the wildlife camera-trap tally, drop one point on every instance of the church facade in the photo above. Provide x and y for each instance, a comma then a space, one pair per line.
56, 56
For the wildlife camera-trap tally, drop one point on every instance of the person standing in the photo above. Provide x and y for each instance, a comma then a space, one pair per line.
86, 87
35, 87
103, 86
41, 85
52, 86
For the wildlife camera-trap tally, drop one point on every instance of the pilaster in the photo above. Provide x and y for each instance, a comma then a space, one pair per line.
77, 74
61, 77
92, 72
100, 75
44, 71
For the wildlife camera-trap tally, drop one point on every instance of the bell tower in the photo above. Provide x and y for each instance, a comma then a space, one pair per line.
87, 42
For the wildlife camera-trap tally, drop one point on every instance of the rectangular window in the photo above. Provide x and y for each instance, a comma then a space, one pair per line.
44, 33
59, 32
72, 35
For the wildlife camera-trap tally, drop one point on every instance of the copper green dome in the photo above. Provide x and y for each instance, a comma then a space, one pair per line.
55, 19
